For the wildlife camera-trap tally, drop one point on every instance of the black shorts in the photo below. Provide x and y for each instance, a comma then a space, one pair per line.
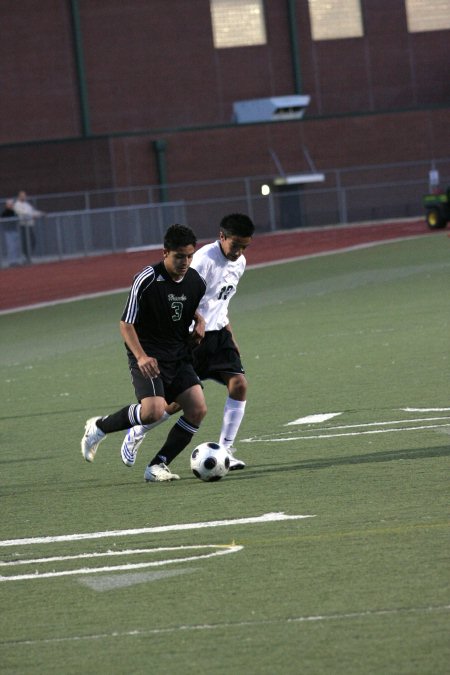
173, 379
217, 354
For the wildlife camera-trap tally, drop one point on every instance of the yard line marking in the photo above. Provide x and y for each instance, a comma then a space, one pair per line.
367, 614
312, 419
270, 437
269, 263
104, 554
425, 409
351, 433
380, 424
223, 550
266, 518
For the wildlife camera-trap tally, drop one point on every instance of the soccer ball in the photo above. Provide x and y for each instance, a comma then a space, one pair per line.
210, 462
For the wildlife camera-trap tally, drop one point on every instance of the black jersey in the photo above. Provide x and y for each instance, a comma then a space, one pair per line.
162, 310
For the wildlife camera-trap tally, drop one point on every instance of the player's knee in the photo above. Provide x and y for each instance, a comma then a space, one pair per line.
152, 413
202, 410
238, 388
198, 413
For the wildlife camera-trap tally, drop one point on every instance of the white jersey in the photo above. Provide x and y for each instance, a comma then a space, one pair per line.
221, 277
25, 212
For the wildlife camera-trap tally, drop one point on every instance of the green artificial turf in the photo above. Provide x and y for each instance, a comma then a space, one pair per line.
361, 587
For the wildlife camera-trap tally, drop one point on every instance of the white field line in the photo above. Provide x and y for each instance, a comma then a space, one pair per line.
223, 550
313, 419
321, 254
270, 437
270, 263
266, 518
239, 625
425, 409
105, 554
380, 424
351, 433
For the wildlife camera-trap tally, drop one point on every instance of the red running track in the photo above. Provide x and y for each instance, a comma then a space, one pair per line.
50, 282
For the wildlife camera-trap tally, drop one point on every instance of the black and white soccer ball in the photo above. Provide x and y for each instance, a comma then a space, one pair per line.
210, 462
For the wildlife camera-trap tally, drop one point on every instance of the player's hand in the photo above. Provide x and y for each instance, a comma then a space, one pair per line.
148, 366
198, 333
197, 336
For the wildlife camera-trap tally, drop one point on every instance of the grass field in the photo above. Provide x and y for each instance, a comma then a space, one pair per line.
359, 586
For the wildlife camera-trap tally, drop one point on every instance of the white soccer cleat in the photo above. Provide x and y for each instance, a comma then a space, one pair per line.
130, 445
235, 463
92, 438
157, 473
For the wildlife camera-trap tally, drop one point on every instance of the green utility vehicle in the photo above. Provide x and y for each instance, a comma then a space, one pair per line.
437, 209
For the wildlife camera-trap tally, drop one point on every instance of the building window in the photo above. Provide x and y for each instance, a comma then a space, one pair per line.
335, 19
238, 23
423, 15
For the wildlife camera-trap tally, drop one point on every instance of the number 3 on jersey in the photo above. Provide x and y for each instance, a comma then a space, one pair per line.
177, 310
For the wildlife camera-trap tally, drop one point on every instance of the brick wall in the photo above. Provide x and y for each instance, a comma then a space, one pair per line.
152, 66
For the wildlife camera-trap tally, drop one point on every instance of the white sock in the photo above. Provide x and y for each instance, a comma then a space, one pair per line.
146, 427
233, 414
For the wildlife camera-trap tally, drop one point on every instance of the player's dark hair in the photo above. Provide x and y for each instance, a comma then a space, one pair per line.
178, 236
237, 224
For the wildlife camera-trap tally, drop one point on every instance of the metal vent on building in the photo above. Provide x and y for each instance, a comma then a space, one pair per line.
276, 108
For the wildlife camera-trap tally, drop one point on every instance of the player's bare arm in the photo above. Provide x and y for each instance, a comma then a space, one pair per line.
199, 328
148, 365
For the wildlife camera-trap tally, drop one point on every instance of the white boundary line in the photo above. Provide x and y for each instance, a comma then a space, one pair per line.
368, 614
223, 550
381, 424
270, 263
425, 409
106, 554
314, 419
321, 254
350, 433
266, 518
378, 424
314, 433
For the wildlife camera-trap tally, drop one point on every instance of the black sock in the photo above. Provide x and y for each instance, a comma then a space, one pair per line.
122, 419
179, 437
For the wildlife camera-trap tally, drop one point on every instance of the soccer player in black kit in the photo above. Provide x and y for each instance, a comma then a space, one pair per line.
161, 306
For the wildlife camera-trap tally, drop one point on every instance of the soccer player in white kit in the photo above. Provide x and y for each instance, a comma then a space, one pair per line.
221, 264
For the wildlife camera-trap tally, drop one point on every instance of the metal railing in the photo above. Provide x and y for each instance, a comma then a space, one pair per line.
346, 196
357, 176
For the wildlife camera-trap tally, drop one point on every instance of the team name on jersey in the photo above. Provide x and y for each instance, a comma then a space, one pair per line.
178, 298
